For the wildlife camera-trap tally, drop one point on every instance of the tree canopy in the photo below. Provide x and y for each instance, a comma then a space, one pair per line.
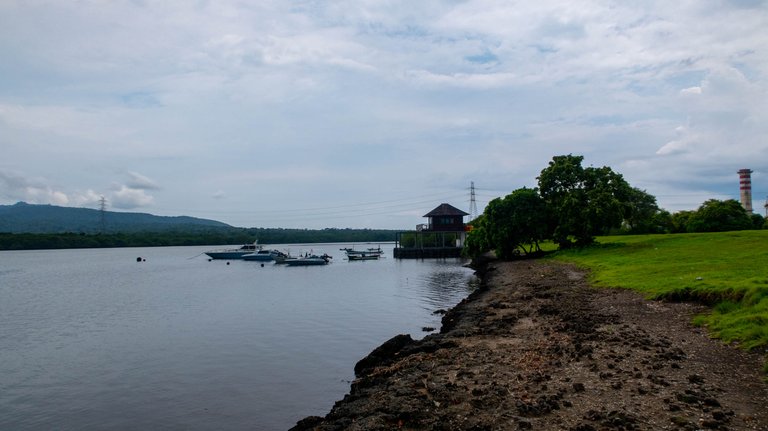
583, 202
573, 204
515, 222
720, 216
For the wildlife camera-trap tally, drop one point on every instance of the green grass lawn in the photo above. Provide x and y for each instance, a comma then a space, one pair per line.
726, 270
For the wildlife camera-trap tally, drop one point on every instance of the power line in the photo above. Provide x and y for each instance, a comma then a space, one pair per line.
391, 206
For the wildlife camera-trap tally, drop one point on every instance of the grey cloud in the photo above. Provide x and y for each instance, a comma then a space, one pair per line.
130, 198
141, 182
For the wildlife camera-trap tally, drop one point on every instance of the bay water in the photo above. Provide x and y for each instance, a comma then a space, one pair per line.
92, 339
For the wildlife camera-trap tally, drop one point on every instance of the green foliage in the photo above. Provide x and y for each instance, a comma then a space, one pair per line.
477, 242
571, 206
725, 270
757, 221
661, 222
517, 221
584, 202
680, 221
642, 214
719, 216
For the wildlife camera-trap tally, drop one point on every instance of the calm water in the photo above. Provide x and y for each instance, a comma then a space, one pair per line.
93, 340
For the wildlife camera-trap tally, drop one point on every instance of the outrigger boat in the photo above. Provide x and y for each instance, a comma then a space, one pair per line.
364, 253
363, 256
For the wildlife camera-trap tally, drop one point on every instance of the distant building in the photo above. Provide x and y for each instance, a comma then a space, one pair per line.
442, 236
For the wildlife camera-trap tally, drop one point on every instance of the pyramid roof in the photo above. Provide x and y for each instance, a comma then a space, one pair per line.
445, 210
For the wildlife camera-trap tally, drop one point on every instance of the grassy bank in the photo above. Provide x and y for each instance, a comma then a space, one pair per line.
726, 270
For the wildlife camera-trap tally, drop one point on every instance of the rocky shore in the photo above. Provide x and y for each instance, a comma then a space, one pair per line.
537, 348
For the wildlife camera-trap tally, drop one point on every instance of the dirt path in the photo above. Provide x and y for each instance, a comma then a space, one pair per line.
537, 348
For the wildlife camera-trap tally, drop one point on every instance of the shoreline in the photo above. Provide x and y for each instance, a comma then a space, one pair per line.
535, 347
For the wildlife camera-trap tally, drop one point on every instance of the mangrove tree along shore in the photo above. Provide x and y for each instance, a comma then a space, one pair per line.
538, 348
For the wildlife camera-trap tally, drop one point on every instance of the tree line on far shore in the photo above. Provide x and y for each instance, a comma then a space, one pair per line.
29, 241
573, 204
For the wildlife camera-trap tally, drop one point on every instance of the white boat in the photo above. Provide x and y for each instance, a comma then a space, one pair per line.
283, 257
308, 260
234, 253
264, 255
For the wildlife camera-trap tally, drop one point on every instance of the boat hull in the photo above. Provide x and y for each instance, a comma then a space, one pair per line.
308, 261
305, 262
263, 256
227, 254
352, 257
233, 253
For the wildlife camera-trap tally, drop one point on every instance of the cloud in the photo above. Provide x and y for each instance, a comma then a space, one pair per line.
311, 104
467, 80
674, 147
129, 198
691, 90
16, 187
20, 188
138, 181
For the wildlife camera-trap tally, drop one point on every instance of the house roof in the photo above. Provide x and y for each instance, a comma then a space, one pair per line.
445, 210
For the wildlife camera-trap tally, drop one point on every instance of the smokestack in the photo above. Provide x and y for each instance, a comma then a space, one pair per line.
745, 186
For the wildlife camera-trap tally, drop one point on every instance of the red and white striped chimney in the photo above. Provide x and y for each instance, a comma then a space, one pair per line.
745, 187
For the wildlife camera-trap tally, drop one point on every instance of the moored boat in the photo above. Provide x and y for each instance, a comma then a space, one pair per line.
366, 253
362, 256
264, 255
234, 253
309, 260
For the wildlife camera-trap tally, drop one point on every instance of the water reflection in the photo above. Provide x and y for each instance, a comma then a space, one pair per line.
445, 284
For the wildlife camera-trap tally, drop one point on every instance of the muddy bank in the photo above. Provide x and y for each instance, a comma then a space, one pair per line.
537, 348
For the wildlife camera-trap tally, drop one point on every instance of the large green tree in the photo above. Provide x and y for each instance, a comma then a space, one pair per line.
517, 223
720, 216
641, 213
680, 221
582, 202
477, 238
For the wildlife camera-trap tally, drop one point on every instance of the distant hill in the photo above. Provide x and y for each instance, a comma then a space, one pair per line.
29, 218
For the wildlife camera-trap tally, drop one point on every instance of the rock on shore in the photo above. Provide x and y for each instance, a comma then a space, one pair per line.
537, 348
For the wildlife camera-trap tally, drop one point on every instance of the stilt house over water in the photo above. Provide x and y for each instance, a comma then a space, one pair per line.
442, 236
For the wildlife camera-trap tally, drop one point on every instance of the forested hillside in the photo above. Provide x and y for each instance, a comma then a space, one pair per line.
28, 218
24, 226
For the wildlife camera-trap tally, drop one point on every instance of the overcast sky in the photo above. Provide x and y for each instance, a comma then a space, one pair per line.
368, 114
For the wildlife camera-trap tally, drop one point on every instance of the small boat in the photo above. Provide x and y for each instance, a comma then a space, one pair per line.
363, 256
264, 255
234, 253
308, 260
368, 252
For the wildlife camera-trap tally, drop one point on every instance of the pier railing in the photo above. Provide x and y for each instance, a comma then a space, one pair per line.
428, 244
